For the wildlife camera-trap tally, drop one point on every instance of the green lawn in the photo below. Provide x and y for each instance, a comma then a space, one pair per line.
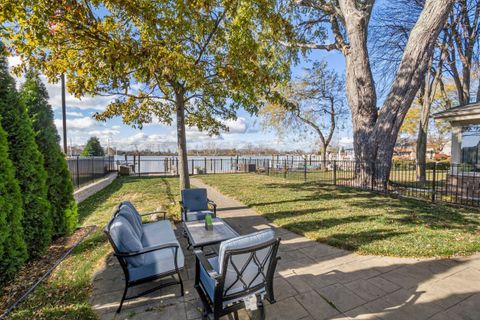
346, 218
360, 221
65, 294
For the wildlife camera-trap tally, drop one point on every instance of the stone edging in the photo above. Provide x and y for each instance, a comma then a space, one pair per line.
89, 190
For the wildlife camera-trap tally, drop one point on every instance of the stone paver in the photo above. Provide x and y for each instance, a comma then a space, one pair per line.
315, 281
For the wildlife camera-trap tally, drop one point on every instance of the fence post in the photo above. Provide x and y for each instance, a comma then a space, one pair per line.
268, 167
334, 172
176, 165
373, 176
93, 169
78, 172
305, 170
205, 165
434, 180
193, 167
285, 169
139, 169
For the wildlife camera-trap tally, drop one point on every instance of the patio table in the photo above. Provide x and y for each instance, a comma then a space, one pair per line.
200, 237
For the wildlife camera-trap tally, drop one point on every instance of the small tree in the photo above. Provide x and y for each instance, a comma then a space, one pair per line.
93, 148
13, 251
192, 62
312, 105
28, 162
375, 127
59, 183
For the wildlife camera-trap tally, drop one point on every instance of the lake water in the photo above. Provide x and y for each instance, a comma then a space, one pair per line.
211, 164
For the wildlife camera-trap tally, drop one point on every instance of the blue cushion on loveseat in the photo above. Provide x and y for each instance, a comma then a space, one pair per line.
126, 240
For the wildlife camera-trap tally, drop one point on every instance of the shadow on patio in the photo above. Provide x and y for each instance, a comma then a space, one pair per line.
316, 281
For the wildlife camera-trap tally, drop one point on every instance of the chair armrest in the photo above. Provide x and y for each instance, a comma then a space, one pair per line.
182, 206
154, 212
214, 205
148, 249
212, 273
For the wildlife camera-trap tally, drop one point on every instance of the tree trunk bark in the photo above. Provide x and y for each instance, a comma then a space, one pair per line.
421, 148
323, 150
360, 87
418, 52
182, 142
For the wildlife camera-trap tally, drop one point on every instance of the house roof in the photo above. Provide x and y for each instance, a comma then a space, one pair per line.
466, 114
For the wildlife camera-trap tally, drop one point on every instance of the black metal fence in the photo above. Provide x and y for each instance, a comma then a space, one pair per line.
168, 166
85, 170
458, 184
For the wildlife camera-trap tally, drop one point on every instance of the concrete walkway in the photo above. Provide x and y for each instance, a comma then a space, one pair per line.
316, 281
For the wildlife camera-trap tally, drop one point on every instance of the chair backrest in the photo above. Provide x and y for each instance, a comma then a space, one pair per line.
124, 239
195, 199
247, 263
129, 212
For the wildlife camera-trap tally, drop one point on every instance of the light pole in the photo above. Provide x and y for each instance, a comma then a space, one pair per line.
64, 114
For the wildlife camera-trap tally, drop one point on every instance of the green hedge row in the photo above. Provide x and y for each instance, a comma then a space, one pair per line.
439, 165
36, 191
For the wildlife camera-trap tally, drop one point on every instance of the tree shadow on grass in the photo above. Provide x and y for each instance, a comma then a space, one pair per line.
400, 210
352, 241
92, 203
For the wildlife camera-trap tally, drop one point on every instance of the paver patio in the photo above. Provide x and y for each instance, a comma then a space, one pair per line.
315, 281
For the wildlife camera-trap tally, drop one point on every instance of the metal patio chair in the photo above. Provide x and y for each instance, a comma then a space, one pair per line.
244, 267
195, 205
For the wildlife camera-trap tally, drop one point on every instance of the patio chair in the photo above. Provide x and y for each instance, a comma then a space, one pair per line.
146, 252
195, 205
245, 266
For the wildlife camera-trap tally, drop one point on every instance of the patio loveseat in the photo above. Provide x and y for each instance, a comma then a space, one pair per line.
146, 252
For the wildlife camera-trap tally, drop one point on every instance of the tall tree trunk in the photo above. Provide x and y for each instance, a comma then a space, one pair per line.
182, 141
421, 148
418, 52
323, 151
360, 86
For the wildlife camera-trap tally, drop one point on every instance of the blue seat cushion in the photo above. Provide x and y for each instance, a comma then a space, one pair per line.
209, 283
126, 240
156, 263
156, 233
197, 215
195, 199
131, 214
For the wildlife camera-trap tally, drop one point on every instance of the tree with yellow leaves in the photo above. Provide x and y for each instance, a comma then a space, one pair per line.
188, 63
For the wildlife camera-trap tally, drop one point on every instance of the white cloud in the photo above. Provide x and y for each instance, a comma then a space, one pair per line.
236, 126
346, 141
13, 61
97, 103
116, 127
74, 114
75, 124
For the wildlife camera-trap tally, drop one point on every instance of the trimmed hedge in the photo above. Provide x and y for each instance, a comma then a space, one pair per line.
403, 163
60, 187
13, 251
28, 163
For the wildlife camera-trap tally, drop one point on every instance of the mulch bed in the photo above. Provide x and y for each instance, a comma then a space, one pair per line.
33, 270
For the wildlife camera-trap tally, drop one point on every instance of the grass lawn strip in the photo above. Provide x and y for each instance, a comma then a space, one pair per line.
360, 221
65, 294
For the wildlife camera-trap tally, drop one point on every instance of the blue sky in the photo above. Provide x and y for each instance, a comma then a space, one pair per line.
246, 130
